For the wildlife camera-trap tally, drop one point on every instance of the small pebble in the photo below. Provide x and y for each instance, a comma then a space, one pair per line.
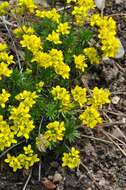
57, 178
115, 99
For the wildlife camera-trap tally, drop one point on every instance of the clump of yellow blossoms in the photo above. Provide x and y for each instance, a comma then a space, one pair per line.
53, 15
63, 96
23, 30
3, 8
31, 42
81, 11
39, 86
63, 28
54, 37
28, 98
71, 159
27, 5
100, 97
6, 135
80, 62
107, 34
55, 132
26, 160
5, 61
92, 55
91, 117
22, 122
53, 59
79, 95
4, 97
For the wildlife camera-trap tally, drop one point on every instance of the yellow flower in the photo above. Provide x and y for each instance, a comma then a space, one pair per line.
79, 95
69, 1
13, 162
31, 42
43, 59
6, 135
71, 159
39, 86
28, 150
27, 4
51, 14
92, 55
4, 71
100, 97
55, 132
80, 62
62, 95
23, 30
90, 117
63, 28
28, 98
6, 58
54, 37
3, 8
3, 47
4, 97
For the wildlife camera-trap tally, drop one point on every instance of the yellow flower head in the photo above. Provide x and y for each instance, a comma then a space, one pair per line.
27, 4
23, 30
3, 47
51, 14
55, 132
100, 97
90, 117
4, 97
54, 37
3, 8
31, 42
80, 62
71, 159
63, 28
79, 95
92, 55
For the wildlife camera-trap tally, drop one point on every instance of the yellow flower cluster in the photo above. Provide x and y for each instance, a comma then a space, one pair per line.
31, 42
55, 132
39, 86
25, 160
5, 61
63, 28
100, 97
79, 95
54, 37
28, 98
4, 97
22, 123
92, 55
23, 30
63, 96
27, 5
6, 135
52, 14
3, 8
71, 159
107, 34
90, 117
81, 11
53, 59
80, 62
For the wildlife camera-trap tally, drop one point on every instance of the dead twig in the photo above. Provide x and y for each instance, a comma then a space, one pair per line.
7, 150
15, 49
116, 144
97, 139
27, 181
